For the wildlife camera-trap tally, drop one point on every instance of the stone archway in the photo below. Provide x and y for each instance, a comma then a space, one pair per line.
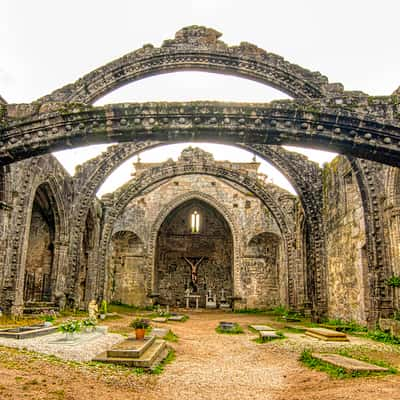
39, 265
287, 122
197, 48
194, 257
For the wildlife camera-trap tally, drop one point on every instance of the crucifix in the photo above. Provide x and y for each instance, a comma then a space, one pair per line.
194, 263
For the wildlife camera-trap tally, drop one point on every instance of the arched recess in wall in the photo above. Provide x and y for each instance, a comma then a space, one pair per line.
126, 269
44, 173
303, 174
40, 269
116, 206
392, 216
194, 253
86, 257
265, 254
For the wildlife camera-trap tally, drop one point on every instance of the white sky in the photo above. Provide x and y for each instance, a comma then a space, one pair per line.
47, 44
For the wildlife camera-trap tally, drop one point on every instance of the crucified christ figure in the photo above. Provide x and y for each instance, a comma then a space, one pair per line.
194, 264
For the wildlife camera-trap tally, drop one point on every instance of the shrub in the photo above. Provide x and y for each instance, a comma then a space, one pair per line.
70, 326
393, 281
89, 322
103, 307
140, 323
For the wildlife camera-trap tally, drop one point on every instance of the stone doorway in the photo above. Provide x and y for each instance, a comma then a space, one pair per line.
194, 253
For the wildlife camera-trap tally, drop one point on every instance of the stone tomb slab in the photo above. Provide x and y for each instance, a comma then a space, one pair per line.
151, 357
259, 328
268, 335
26, 332
348, 364
131, 348
159, 332
176, 318
160, 319
327, 335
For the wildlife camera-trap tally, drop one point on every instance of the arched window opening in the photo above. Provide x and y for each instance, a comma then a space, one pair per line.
195, 222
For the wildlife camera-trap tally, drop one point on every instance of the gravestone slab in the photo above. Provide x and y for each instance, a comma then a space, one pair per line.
159, 332
160, 319
349, 364
261, 328
176, 318
327, 335
268, 335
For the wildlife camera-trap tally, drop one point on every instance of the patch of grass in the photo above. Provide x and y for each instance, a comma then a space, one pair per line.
60, 394
384, 337
171, 337
252, 311
121, 308
344, 326
292, 329
167, 360
335, 372
236, 329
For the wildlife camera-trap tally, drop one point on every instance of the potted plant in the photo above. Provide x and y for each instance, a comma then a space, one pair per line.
89, 324
103, 309
70, 328
140, 325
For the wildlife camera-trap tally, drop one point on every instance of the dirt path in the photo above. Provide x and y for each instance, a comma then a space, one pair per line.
207, 366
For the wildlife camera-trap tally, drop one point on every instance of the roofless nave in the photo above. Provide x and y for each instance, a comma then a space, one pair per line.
328, 251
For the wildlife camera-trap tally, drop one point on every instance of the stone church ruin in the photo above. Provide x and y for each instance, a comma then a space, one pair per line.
198, 226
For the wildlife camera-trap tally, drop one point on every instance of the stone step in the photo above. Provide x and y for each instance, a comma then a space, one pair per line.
131, 348
39, 307
327, 335
148, 360
348, 364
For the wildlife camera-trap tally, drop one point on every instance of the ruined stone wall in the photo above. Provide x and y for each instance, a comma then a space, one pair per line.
127, 269
346, 243
392, 227
24, 224
250, 218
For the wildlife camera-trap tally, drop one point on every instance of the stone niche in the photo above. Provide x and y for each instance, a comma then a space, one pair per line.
127, 280
179, 245
39, 263
259, 274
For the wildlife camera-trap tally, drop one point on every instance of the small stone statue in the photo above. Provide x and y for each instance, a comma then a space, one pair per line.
93, 309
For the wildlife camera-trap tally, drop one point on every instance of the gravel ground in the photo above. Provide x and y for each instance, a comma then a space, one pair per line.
208, 366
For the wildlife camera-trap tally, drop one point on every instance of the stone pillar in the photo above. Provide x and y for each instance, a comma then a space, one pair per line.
59, 270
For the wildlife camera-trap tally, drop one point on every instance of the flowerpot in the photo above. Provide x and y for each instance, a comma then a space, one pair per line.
47, 324
139, 334
89, 329
102, 316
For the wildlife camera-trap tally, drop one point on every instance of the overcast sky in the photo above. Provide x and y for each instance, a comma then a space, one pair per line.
47, 44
